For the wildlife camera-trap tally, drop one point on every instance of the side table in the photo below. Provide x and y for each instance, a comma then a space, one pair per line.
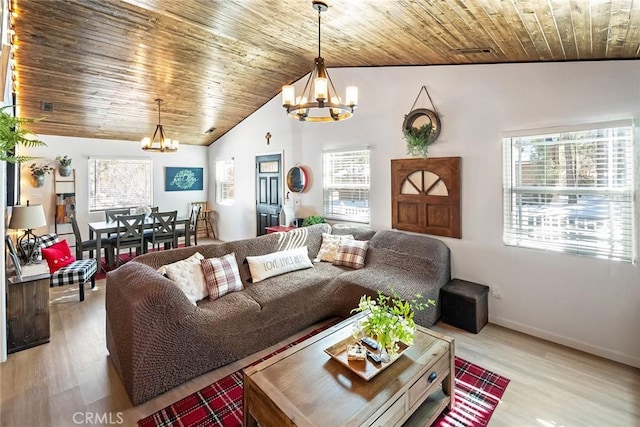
278, 229
27, 312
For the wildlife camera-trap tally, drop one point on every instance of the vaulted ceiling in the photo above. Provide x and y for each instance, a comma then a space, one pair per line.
103, 62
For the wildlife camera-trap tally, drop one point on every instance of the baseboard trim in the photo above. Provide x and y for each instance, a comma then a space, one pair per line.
569, 342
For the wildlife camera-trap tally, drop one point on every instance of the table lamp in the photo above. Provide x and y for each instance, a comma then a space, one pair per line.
27, 218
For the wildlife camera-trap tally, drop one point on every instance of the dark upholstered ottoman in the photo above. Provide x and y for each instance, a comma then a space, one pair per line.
465, 305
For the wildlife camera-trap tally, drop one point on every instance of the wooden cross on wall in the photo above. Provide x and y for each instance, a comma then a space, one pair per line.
268, 137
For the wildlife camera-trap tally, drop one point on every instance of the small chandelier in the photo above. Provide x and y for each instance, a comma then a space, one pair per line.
163, 144
321, 96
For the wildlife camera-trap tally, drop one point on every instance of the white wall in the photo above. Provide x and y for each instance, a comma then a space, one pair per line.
80, 149
589, 304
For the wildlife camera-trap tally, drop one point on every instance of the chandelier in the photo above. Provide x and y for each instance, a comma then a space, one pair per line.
319, 95
162, 144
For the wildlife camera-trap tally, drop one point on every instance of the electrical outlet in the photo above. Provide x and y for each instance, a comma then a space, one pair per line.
496, 292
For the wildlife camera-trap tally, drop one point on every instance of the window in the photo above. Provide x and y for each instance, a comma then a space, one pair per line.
346, 185
224, 182
119, 183
571, 191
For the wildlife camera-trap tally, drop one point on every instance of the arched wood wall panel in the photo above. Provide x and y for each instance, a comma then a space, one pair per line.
425, 196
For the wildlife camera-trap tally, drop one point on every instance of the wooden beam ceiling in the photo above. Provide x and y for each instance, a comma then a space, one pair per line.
103, 62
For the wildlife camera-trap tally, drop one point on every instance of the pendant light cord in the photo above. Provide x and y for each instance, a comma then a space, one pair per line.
319, 29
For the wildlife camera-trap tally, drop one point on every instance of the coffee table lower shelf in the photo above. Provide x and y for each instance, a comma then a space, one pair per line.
303, 386
429, 410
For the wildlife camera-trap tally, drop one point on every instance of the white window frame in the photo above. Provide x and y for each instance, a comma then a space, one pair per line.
119, 183
545, 208
334, 208
225, 182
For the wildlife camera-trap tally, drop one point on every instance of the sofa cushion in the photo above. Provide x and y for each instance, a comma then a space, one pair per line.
311, 237
358, 232
329, 247
187, 275
352, 253
221, 275
273, 264
58, 255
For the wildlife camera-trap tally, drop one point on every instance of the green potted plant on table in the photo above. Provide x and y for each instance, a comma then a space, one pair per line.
311, 220
390, 321
64, 165
13, 133
38, 170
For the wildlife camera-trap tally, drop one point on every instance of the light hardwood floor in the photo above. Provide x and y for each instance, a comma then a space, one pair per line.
70, 381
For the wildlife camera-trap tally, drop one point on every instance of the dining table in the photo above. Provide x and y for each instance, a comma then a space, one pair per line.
101, 229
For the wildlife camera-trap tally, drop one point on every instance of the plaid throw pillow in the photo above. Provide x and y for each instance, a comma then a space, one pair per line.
352, 253
221, 275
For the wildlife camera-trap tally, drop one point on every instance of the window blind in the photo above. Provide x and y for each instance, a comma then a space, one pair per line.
225, 176
346, 177
571, 192
119, 183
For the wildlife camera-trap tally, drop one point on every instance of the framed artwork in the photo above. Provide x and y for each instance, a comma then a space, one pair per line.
183, 179
13, 254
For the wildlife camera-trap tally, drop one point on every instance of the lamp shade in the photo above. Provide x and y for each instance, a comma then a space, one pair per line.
27, 217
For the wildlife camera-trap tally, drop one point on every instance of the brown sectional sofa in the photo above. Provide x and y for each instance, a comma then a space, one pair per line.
157, 339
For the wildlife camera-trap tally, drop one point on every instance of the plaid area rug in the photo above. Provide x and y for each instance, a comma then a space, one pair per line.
478, 392
102, 273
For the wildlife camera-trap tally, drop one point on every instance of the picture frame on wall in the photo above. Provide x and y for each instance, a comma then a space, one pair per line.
184, 179
13, 254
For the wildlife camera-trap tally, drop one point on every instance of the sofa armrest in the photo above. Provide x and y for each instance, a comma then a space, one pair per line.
140, 305
158, 339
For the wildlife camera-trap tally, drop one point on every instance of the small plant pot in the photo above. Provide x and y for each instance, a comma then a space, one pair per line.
65, 170
38, 180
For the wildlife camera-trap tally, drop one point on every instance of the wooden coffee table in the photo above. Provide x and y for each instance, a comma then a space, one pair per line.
304, 386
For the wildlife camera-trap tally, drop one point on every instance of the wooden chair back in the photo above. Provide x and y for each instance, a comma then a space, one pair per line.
111, 215
130, 232
164, 228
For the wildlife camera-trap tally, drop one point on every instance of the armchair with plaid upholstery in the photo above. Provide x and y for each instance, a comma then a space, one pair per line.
79, 271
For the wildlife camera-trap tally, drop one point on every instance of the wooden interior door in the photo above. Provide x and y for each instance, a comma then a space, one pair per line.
425, 195
268, 191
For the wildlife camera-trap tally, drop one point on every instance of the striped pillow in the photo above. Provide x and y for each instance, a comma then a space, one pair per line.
352, 253
221, 275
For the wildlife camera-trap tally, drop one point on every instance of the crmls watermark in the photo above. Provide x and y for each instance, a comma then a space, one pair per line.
97, 418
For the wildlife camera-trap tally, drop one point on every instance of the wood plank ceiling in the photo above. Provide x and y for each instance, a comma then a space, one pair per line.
103, 62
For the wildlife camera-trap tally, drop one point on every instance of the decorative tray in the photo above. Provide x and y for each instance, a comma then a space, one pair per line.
365, 369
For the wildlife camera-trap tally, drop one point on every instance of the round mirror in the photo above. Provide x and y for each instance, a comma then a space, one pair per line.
296, 179
420, 117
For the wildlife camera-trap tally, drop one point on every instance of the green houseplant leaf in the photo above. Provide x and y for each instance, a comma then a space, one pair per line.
311, 220
419, 139
13, 133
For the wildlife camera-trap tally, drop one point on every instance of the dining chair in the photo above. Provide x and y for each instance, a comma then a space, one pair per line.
112, 214
204, 218
191, 227
163, 231
130, 234
91, 245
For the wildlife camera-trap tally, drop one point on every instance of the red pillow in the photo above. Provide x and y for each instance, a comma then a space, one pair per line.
58, 255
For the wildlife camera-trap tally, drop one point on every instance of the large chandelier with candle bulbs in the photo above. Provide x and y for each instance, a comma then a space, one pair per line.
162, 143
319, 101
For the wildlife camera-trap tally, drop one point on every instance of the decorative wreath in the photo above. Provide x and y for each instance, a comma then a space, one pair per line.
420, 138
